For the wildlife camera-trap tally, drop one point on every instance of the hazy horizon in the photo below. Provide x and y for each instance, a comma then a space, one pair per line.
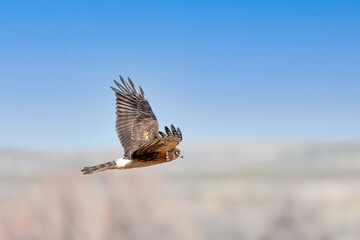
252, 191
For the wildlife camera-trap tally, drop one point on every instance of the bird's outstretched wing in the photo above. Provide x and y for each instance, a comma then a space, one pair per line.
136, 124
161, 144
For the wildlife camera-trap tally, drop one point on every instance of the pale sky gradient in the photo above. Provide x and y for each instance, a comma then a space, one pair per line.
220, 71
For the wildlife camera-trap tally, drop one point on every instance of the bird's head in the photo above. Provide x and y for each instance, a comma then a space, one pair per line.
178, 153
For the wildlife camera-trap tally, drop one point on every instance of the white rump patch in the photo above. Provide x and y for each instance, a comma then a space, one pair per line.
122, 162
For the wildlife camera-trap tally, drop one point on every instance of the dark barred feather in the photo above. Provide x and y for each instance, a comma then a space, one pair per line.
98, 168
136, 123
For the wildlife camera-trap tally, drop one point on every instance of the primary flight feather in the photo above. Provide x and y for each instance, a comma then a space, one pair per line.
138, 131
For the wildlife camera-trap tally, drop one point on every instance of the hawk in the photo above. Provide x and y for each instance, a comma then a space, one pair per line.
138, 131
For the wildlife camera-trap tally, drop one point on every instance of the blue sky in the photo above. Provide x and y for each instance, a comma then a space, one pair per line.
220, 70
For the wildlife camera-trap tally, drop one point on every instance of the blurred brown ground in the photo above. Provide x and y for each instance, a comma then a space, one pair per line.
232, 190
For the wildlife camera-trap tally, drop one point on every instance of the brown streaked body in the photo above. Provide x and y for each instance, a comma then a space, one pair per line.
138, 132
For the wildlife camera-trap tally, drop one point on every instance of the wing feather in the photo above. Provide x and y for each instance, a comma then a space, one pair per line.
161, 144
136, 124
179, 133
167, 130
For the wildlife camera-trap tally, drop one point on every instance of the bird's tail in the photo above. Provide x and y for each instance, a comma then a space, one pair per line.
98, 168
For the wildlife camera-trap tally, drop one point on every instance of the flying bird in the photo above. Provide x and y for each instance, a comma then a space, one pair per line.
138, 131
